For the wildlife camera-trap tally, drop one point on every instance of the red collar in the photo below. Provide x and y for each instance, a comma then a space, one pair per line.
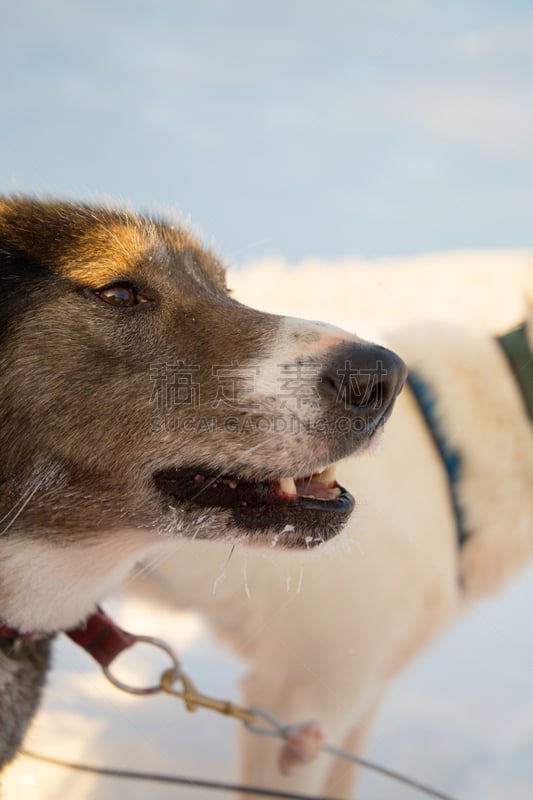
98, 635
10, 633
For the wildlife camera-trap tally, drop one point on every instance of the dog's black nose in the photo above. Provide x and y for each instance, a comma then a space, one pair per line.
364, 379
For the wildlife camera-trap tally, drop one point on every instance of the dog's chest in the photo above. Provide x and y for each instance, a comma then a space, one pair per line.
48, 587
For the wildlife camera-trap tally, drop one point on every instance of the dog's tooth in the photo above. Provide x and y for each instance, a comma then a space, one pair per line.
328, 476
287, 485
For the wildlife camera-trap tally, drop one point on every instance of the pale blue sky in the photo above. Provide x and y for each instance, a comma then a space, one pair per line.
299, 128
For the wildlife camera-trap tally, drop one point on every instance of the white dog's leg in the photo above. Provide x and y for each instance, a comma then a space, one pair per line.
289, 699
343, 775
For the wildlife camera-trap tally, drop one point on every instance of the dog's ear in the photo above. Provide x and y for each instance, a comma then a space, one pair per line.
21, 272
19, 245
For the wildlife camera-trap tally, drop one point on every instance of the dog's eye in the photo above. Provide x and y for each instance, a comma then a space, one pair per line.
121, 294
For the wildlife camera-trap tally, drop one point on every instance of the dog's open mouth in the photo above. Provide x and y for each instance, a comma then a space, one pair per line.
316, 500
319, 490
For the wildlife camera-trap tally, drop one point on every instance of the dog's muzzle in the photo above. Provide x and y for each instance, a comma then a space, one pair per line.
357, 384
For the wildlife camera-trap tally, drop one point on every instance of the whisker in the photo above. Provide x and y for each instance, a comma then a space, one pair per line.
222, 572
149, 566
22, 502
245, 577
213, 480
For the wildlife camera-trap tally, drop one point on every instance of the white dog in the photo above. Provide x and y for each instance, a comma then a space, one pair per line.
325, 632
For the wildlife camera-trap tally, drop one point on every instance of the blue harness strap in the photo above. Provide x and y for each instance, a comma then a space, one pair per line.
516, 348
449, 455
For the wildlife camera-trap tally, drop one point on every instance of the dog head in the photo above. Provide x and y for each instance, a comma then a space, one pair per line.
135, 392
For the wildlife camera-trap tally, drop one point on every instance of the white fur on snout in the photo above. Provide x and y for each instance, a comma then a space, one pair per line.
285, 392
292, 363
311, 337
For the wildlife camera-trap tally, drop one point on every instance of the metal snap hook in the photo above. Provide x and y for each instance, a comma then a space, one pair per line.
159, 643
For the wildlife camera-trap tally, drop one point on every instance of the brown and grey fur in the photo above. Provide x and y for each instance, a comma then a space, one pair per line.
81, 440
